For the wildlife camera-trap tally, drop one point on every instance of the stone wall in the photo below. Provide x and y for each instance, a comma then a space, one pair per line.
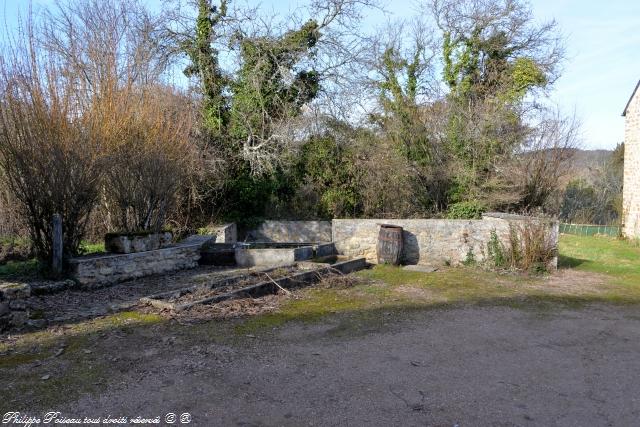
107, 269
13, 305
292, 231
227, 233
429, 241
631, 189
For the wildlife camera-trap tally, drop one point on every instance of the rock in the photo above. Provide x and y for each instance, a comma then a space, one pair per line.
19, 318
45, 377
420, 268
12, 291
19, 305
4, 308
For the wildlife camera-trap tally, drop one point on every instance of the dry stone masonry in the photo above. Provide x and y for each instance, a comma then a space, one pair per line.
13, 305
432, 242
130, 243
227, 233
292, 231
631, 189
100, 270
429, 242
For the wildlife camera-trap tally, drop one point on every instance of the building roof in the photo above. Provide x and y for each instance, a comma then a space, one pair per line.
624, 113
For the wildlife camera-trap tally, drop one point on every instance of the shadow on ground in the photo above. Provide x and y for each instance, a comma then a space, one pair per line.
567, 262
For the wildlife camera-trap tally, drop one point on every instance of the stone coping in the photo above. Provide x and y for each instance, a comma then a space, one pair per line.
95, 257
501, 215
516, 217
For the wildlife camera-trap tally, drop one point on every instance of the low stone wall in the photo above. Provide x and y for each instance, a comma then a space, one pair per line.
292, 231
13, 305
430, 241
126, 243
107, 269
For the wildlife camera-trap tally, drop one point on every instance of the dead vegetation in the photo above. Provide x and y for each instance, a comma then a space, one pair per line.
245, 307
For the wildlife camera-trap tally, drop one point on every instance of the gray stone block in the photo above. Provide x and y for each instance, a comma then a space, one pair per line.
12, 291
18, 304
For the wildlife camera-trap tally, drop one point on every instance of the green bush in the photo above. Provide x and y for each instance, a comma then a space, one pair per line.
466, 210
21, 269
496, 251
15, 249
470, 259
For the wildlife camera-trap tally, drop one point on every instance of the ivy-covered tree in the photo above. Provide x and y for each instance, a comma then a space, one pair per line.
494, 49
270, 90
408, 109
398, 91
248, 110
205, 66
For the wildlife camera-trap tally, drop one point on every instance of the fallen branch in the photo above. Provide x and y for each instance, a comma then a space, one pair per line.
276, 283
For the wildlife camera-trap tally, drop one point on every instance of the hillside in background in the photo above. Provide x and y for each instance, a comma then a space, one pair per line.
586, 163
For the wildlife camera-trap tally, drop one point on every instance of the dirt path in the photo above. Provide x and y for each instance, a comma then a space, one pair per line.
466, 366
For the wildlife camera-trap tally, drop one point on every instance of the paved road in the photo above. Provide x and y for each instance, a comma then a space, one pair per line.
468, 367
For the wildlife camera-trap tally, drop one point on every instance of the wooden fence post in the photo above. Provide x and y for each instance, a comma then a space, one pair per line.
56, 264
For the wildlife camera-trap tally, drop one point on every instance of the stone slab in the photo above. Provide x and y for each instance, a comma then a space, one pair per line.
249, 257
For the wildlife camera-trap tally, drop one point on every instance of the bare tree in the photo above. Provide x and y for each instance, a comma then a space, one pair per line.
149, 159
49, 152
105, 44
541, 163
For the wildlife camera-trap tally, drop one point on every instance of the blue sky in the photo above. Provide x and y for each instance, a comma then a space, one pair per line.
603, 56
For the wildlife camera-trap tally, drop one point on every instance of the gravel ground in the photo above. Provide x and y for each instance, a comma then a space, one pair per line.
472, 366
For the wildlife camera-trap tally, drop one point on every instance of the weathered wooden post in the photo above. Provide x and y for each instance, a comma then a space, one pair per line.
56, 264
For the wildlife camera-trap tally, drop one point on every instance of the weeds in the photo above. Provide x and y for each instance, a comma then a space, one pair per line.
530, 248
470, 258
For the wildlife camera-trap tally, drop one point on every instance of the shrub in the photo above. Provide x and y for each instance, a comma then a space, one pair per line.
466, 210
149, 158
470, 258
14, 249
529, 248
496, 251
536, 249
48, 153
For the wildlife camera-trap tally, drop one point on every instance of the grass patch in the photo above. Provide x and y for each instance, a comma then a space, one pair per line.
312, 305
20, 269
12, 361
385, 287
88, 248
44, 338
616, 257
32, 268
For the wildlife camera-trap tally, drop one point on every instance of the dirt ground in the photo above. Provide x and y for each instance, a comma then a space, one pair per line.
73, 305
465, 366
